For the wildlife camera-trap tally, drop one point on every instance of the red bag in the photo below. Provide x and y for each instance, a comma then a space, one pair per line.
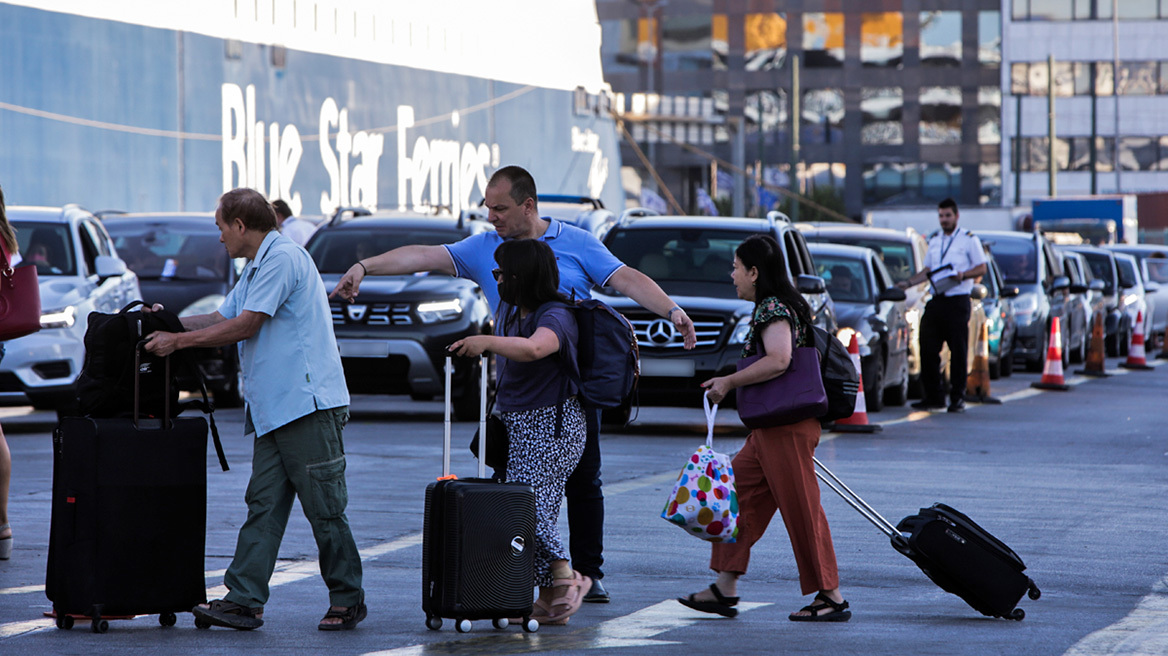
20, 300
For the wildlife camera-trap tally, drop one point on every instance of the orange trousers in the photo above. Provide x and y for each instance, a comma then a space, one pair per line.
774, 471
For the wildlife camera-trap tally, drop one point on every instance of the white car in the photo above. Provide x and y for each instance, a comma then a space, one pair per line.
79, 272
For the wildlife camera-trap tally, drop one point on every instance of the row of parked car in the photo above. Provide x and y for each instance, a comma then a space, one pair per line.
393, 339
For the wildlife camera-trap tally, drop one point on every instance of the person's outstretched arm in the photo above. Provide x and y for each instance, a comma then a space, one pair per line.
399, 261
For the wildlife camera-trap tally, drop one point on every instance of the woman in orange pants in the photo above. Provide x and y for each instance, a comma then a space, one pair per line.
774, 470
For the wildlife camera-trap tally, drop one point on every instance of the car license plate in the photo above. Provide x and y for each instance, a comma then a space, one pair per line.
667, 367
362, 348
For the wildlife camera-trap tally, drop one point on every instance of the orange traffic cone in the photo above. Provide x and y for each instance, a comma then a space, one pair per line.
1052, 371
1136, 358
1095, 364
858, 422
977, 384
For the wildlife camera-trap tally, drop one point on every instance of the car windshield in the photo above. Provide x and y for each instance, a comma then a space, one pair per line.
159, 251
896, 255
1157, 269
1100, 264
46, 245
679, 255
334, 251
1017, 260
846, 278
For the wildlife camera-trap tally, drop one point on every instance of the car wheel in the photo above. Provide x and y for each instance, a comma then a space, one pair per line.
1006, 361
1111, 345
1080, 353
874, 393
996, 368
898, 395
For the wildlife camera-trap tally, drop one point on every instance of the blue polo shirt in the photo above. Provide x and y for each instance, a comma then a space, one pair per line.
291, 366
583, 261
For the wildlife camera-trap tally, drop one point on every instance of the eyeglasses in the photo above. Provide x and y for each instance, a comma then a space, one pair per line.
497, 273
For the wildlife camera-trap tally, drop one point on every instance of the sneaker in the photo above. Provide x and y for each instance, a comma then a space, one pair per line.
597, 594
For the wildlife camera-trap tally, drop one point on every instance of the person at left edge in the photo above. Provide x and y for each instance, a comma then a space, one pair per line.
296, 405
583, 262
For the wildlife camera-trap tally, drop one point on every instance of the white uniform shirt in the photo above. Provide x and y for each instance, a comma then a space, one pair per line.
961, 250
298, 230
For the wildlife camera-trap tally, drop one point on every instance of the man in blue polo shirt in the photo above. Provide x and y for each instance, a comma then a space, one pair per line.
297, 406
583, 262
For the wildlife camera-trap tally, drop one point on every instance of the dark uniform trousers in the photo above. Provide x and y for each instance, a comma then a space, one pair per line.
946, 321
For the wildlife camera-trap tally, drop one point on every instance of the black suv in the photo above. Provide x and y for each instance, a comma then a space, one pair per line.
393, 337
691, 257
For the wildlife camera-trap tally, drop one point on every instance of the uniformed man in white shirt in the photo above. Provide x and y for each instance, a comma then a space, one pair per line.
955, 259
298, 230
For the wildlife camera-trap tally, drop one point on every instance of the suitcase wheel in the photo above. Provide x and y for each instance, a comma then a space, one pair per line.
1018, 615
64, 622
530, 625
433, 623
462, 626
99, 626
500, 622
202, 624
1033, 592
167, 619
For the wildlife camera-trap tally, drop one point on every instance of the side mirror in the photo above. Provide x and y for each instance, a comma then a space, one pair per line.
891, 294
810, 284
1097, 286
978, 292
1010, 292
1060, 283
1078, 289
109, 266
1151, 287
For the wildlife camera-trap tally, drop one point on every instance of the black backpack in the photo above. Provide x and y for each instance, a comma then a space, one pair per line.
105, 386
840, 379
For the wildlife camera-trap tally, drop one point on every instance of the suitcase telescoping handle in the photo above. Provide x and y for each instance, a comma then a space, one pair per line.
863, 507
449, 371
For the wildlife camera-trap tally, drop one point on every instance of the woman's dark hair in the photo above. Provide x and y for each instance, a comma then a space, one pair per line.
529, 276
764, 253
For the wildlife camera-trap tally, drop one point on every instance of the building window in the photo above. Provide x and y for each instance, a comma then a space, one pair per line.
1132, 9
882, 39
1071, 154
1137, 79
989, 115
1072, 78
940, 115
1138, 153
687, 43
766, 41
823, 40
989, 38
941, 38
882, 109
1052, 10
823, 116
767, 109
1162, 164
885, 181
990, 187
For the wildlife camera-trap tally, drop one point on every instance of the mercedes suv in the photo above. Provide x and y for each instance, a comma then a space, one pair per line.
393, 337
690, 257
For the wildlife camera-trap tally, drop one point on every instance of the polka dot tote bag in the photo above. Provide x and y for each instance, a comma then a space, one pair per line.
704, 502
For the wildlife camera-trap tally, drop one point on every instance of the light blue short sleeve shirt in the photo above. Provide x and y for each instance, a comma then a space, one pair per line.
583, 261
291, 366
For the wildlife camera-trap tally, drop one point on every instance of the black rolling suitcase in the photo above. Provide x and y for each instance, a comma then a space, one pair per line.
128, 518
954, 552
478, 543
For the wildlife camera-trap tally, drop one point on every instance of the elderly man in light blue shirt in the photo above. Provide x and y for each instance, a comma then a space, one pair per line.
297, 406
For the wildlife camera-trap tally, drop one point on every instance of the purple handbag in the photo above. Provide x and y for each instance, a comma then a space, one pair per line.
796, 395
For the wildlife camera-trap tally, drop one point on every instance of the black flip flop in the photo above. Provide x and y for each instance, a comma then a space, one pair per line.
839, 612
724, 606
229, 614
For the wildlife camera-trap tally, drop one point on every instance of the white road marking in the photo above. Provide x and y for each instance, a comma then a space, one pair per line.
1144, 632
22, 590
634, 630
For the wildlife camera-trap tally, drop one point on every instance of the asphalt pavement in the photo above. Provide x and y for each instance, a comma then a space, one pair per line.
1073, 481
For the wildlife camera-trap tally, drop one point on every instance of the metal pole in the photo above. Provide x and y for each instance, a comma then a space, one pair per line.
1017, 150
737, 123
1094, 131
795, 120
1115, 91
1052, 166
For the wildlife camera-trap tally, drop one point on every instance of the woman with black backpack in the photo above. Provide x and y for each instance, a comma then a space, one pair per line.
774, 470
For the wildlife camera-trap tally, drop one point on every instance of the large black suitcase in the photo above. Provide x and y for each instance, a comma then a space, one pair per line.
128, 518
954, 552
478, 543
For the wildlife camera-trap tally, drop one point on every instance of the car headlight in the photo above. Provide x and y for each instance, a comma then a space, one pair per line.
435, 311
740, 331
1026, 304
845, 335
61, 318
1131, 299
205, 305
913, 317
